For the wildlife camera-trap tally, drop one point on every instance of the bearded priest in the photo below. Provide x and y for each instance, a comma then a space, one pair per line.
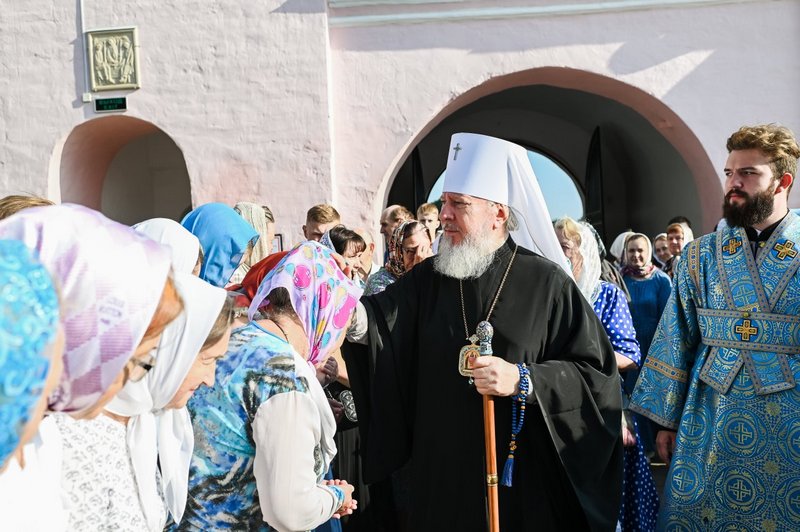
721, 374
418, 385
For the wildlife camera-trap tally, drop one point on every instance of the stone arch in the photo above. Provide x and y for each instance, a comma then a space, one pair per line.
653, 165
125, 167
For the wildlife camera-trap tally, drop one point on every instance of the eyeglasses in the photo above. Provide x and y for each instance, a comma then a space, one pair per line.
140, 368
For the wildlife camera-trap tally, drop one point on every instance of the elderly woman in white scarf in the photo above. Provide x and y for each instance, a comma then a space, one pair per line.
639, 502
160, 439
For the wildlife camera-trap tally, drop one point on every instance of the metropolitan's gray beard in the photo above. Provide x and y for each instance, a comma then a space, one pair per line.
468, 260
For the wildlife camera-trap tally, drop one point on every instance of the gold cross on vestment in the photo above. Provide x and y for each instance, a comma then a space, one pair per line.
785, 250
733, 245
746, 330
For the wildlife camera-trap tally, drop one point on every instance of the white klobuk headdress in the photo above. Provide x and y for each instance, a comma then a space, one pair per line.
499, 171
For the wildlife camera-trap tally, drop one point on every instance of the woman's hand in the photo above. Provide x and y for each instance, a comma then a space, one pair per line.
328, 371
343, 265
628, 436
423, 252
665, 444
628, 439
350, 504
337, 408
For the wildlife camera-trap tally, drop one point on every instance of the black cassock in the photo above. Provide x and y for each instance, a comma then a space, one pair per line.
414, 405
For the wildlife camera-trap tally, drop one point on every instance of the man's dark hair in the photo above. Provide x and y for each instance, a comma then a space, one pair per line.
680, 220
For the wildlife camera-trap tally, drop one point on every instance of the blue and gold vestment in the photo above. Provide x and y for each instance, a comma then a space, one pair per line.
722, 370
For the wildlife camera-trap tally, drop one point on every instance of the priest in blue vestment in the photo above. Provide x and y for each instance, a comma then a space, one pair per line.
721, 375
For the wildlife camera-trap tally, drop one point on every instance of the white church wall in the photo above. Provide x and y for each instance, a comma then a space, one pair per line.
241, 87
716, 66
295, 102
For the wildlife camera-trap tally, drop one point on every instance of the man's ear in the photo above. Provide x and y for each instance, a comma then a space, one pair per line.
784, 182
503, 213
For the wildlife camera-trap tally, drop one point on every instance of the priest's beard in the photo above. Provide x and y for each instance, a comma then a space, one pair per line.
468, 260
754, 210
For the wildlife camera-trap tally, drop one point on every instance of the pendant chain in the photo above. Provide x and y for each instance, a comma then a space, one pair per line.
496, 296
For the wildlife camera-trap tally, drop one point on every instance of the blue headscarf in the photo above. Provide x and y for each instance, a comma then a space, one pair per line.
224, 235
28, 323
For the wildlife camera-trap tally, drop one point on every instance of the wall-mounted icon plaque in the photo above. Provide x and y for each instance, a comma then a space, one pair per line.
113, 59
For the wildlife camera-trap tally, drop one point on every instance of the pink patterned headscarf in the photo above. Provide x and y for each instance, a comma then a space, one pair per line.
110, 278
322, 296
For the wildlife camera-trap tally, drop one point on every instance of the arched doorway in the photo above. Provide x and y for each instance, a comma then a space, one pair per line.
635, 163
125, 167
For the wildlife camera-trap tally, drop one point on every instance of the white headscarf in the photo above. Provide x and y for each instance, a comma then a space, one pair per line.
500, 171
688, 234
617, 248
589, 283
183, 245
658, 262
165, 436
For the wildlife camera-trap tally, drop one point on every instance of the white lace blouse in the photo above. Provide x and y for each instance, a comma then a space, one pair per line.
97, 480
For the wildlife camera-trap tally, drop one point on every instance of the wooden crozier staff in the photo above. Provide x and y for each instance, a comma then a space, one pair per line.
484, 332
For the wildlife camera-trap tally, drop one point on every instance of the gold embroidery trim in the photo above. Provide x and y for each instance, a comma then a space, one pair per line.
666, 370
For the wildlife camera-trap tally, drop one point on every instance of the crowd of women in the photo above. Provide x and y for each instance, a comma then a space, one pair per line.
125, 401
182, 376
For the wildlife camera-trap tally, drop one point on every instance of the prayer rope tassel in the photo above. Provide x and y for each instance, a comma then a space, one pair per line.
508, 471
518, 403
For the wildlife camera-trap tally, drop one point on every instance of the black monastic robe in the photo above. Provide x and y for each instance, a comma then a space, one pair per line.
414, 405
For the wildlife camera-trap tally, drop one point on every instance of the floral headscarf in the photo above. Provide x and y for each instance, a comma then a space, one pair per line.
322, 296
111, 279
28, 323
224, 236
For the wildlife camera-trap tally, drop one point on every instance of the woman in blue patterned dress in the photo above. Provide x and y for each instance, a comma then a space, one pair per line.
264, 432
639, 496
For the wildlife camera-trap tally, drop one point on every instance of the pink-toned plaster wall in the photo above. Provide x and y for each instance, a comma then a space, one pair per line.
277, 101
393, 82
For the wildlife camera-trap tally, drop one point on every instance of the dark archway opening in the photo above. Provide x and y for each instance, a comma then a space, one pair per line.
629, 172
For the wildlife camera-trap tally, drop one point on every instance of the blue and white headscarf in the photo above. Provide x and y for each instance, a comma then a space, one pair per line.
28, 324
224, 236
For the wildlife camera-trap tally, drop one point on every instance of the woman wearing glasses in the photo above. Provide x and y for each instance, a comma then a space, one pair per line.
116, 298
146, 428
